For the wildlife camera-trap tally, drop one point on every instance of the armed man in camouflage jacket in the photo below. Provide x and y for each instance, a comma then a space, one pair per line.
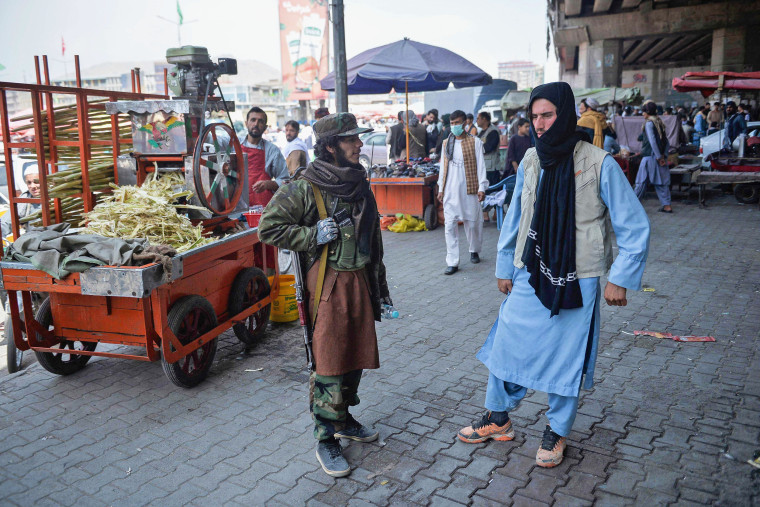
344, 339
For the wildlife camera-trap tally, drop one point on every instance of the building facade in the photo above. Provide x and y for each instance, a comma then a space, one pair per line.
527, 75
646, 43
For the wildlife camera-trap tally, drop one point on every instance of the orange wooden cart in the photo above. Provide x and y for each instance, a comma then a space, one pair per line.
176, 317
413, 196
176, 320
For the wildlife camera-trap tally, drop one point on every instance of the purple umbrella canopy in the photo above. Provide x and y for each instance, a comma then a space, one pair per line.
421, 66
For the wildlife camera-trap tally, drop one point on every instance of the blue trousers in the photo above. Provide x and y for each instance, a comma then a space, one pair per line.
502, 396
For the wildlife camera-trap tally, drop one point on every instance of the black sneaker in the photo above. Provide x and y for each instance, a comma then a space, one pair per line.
355, 431
330, 456
474, 257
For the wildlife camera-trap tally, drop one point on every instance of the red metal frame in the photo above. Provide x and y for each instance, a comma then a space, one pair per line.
42, 96
141, 322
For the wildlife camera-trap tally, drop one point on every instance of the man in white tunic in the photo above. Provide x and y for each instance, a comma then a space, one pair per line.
462, 188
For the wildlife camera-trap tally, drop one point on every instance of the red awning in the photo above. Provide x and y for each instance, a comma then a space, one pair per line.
708, 83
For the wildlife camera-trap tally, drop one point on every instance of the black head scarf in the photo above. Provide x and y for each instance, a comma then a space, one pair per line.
549, 254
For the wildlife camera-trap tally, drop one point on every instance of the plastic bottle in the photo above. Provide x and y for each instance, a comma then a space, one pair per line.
389, 312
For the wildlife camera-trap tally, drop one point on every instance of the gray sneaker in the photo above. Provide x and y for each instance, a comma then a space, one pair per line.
330, 456
355, 431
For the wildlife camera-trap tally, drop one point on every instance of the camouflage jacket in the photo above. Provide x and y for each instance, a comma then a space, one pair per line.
289, 222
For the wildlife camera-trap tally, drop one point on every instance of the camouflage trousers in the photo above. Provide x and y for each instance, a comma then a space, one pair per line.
329, 399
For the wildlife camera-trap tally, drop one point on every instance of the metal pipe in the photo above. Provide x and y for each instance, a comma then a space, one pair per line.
37, 69
137, 77
406, 127
166, 82
76, 68
45, 69
339, 56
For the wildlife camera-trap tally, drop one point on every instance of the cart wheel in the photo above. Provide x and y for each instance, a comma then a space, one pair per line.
431, 217
190, 317
250, 285
747, 193
60, 363
15, 356
284, 260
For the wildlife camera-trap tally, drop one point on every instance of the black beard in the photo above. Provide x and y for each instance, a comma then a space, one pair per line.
342, 161
254, 136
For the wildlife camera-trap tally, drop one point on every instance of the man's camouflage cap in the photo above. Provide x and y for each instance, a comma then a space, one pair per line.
338, 124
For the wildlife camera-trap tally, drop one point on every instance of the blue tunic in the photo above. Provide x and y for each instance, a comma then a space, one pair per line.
527, 347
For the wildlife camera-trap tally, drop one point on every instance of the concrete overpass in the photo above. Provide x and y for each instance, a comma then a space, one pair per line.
646, 43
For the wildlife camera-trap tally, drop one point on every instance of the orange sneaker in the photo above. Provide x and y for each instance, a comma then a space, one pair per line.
552, 449
485, 429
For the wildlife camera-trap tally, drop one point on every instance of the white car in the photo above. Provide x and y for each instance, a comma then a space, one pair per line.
709, 145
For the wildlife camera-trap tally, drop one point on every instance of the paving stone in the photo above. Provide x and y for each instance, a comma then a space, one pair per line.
622, 483
420, 490
653, 430
461, 488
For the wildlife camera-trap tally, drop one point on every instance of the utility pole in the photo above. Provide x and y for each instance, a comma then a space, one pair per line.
339, 50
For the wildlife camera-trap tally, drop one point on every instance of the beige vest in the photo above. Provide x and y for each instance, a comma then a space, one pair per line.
593, 228
491, 159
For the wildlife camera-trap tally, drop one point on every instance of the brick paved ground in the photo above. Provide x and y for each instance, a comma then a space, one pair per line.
666, 423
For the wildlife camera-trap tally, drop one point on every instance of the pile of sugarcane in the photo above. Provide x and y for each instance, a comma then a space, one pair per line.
148, 211
66, 182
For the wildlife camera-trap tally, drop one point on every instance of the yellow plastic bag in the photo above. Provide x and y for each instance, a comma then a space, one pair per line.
407, 223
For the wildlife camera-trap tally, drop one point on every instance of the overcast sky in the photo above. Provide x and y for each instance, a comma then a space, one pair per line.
483, 31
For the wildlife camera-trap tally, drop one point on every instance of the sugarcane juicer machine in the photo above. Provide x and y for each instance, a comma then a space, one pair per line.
174, 315
175, 136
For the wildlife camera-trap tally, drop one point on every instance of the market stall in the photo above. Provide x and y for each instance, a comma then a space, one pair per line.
724, 159
412, 67
173, 307
412, 189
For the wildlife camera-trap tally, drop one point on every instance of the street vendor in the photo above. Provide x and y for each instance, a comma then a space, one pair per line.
556, 243
267, 169
32, 180
354, 287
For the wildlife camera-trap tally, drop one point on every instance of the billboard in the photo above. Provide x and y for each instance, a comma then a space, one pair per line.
303, 48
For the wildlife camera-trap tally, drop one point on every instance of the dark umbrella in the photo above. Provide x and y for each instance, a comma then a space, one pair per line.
411, 66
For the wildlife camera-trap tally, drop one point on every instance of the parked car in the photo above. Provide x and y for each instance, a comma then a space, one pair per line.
374, 151
710, 145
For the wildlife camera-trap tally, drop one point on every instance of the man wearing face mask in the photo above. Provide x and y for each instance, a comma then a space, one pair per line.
462, 188
556, 243
267, 169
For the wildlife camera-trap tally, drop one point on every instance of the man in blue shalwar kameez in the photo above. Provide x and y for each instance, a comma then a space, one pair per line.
556, 242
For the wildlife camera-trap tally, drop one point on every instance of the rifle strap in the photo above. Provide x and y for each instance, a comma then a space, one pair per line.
323, 256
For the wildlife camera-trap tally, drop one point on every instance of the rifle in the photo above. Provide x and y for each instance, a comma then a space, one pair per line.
303, 310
